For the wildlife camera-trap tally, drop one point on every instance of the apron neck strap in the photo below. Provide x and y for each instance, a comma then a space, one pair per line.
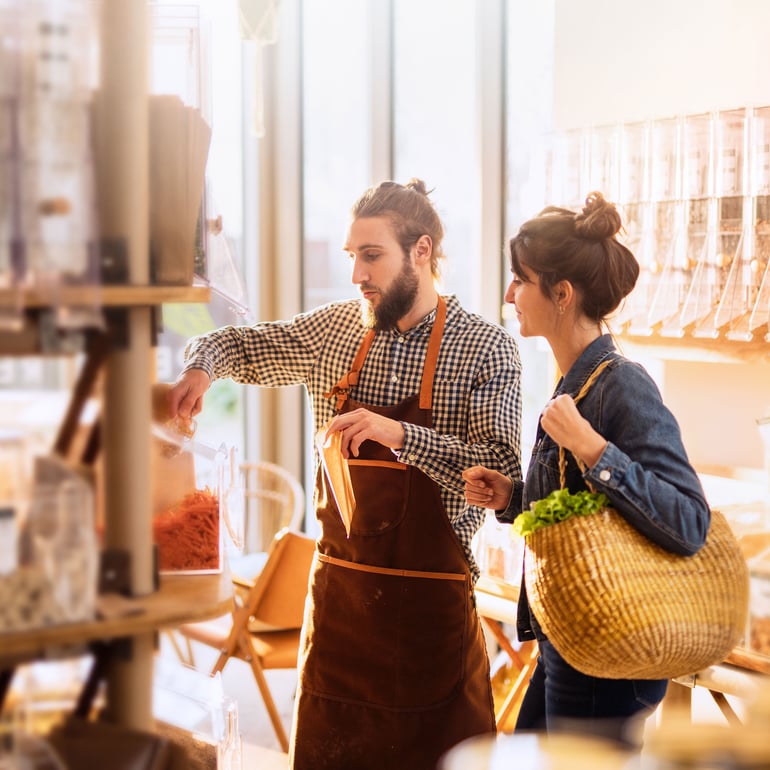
342, 389
431, 357
349, 380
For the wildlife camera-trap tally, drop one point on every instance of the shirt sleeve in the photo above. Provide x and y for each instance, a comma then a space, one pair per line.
273, 354
493, 419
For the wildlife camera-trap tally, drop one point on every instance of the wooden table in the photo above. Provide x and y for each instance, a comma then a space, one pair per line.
720, 680
496, 601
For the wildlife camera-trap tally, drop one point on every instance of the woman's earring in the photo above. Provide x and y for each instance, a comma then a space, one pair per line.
561, 308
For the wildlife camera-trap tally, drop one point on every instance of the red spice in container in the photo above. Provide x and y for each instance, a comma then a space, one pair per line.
187, 534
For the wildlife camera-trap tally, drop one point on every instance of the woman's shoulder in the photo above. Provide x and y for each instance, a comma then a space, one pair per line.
628, 381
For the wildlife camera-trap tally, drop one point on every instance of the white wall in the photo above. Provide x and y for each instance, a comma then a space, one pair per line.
627, 60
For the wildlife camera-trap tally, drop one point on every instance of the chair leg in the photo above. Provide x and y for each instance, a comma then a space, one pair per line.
185, 658
190, 655
516, 693
245, 652
505, 643
267, 697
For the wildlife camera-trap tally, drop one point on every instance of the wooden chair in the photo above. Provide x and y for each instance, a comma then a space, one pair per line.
264, 628
496, 601
274, 499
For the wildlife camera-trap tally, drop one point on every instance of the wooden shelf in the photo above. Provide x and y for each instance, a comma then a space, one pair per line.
752, 661
108, 296
180, 599
690, 348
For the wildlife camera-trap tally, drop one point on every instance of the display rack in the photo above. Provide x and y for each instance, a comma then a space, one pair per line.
130, 314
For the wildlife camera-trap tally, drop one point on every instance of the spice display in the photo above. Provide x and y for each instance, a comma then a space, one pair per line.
187, 534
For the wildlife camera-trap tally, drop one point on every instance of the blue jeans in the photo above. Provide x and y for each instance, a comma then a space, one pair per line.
561, 699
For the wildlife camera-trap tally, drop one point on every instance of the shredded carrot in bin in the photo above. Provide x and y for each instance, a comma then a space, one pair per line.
187, 534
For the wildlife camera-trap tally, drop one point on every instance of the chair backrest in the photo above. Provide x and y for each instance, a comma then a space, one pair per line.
275, 499
277, 598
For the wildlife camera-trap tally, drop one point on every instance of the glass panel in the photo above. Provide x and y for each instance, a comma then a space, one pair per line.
336, 137
435, 124
529, 183
197, 55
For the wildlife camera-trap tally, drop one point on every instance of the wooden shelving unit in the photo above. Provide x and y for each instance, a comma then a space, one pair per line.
128, 624
105, 296
180, 599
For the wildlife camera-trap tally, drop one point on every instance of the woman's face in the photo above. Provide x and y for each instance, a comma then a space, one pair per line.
535, 312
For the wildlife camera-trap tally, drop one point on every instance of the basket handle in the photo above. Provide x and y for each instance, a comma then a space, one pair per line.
562, 454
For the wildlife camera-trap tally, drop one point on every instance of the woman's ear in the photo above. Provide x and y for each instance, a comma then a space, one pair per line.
564, 292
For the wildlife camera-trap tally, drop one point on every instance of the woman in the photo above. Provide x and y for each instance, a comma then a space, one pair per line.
569, 273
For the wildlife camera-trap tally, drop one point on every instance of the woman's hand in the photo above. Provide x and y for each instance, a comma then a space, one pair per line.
487, 488
568, 428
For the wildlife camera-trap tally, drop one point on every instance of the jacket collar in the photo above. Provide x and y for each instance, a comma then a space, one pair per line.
589, 359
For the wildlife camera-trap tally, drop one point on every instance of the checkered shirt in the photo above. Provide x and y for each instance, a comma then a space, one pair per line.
476, 391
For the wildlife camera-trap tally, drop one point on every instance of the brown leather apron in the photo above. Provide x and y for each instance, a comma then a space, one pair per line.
393, 664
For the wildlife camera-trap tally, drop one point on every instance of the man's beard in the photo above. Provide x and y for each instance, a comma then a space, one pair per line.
393, 304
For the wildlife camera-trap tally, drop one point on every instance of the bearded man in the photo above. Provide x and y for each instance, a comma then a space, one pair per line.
393, 669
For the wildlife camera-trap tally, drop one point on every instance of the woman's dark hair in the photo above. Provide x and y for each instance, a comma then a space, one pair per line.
559, 244
410, 211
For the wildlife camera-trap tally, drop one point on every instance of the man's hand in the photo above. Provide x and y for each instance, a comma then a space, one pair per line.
185, 398
487, 488
361, 424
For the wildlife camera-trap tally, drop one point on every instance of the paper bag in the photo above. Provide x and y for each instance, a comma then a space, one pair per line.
337, 473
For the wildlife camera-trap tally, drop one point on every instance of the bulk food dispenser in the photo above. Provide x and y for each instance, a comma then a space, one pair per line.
725, 225
759, 181
663, 229
566, 173
634, 204
741, 288
697, 190
603, 168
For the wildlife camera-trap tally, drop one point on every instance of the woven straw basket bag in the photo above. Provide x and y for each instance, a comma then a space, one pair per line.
617, 606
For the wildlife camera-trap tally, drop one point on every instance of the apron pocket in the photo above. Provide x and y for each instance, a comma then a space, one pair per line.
381, 489
386, 640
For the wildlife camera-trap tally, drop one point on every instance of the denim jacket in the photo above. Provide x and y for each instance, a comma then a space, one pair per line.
643, 470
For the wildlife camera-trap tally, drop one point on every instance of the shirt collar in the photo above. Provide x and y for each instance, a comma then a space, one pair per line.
423, 328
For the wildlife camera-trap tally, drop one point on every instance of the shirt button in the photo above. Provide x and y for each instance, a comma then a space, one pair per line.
412, 457
401, 340
605, 475
394, 378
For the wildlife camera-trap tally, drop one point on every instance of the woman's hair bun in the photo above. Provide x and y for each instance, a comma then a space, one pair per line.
598, 220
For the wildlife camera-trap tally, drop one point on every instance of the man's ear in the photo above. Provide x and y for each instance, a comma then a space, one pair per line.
423, 248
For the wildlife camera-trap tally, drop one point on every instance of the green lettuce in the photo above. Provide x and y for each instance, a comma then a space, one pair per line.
560, 505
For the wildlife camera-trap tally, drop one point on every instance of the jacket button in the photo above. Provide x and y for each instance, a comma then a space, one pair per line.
605, 475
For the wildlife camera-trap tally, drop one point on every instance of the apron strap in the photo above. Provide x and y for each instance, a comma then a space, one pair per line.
354, 565
349, 380
431, 357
